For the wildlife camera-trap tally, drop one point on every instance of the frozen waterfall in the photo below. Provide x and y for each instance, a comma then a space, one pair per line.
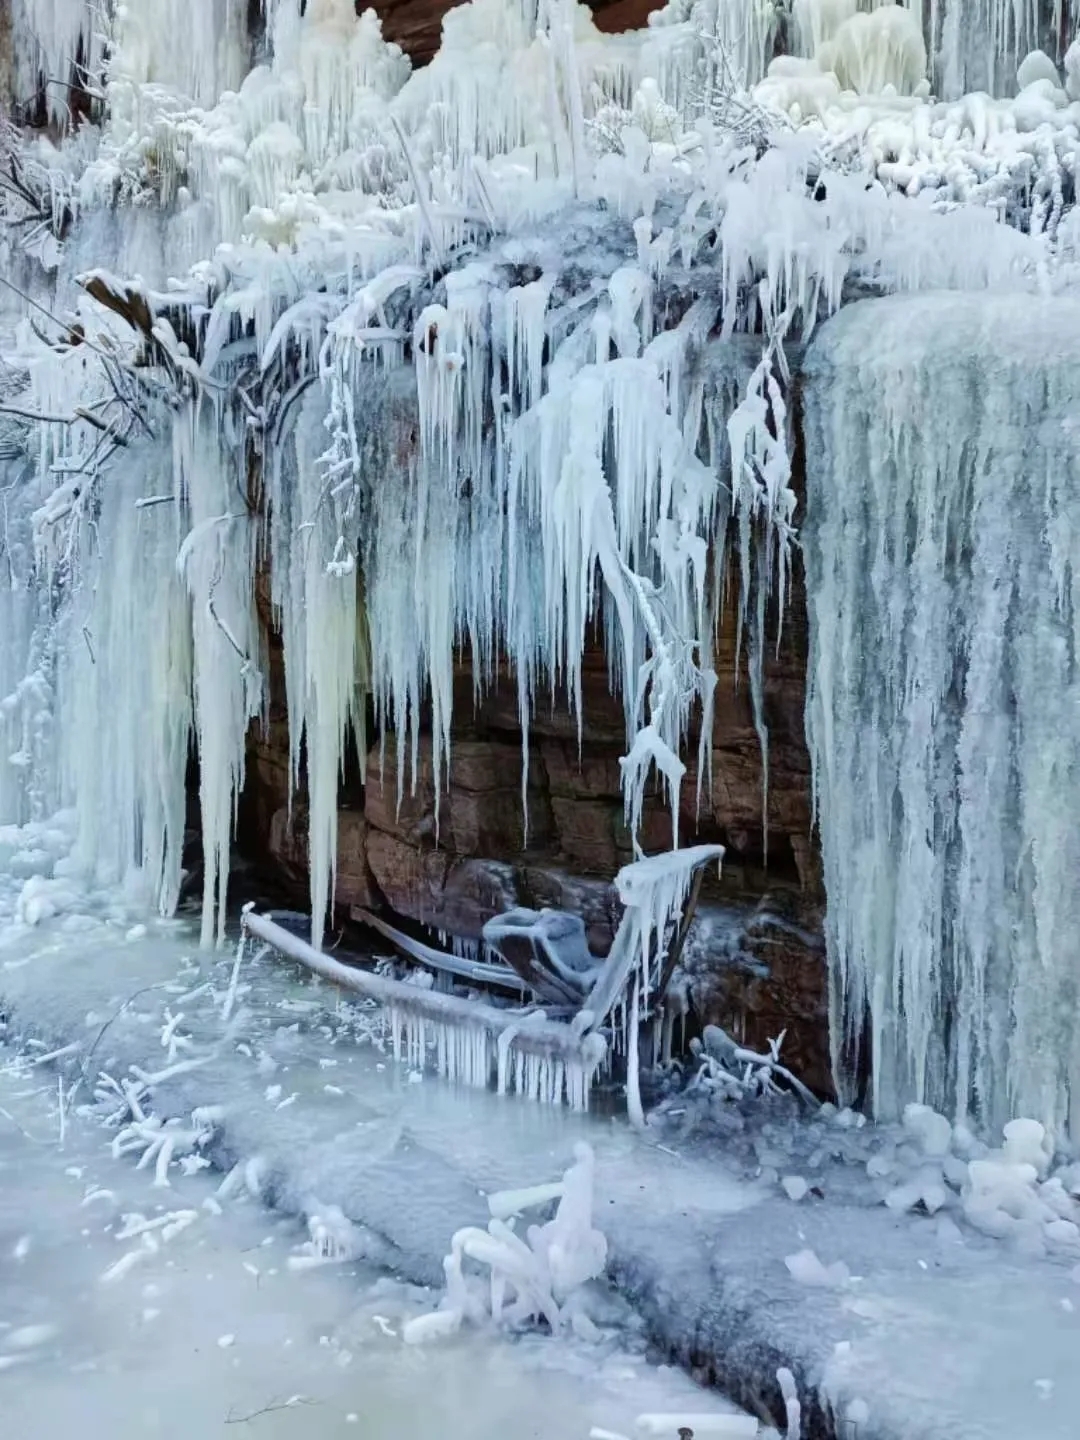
943, 712
478, 363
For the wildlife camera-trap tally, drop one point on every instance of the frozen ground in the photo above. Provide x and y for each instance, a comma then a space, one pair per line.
218, 1327
935, 1332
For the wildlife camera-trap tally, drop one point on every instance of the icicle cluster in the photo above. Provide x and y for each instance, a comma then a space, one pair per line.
943, 555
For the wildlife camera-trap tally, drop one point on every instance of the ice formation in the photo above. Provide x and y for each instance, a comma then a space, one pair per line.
495, 356
528, 1279
943, 703
472, 1042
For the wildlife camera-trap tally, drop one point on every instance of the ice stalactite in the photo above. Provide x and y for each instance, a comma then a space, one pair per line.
700, 46
197, 48
314, 525
25, 680
48, 36
124, 683
585, 499
217, 563
980, 43
943, 559
110, 629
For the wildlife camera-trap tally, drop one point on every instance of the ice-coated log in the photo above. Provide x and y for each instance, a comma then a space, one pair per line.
546, 1060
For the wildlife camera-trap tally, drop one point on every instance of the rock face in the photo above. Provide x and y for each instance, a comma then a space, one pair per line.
448, 862
416, 25
755, 959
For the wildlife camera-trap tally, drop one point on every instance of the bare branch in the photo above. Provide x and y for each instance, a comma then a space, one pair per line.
290, 1404
41, 419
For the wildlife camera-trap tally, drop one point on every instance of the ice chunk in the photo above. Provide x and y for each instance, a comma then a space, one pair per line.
807, 1269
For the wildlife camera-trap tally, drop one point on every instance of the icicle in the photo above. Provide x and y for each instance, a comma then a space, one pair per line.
635, 1112
217, 563
314, 523
124, 688
27, 764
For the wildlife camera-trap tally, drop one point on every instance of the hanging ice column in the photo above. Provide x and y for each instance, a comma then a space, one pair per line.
943, 714
25, 690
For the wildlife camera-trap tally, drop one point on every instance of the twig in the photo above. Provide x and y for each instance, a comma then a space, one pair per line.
21, 414
290, 1404
84, 1068
750, 1057
422, 199
49, 315
24, 1133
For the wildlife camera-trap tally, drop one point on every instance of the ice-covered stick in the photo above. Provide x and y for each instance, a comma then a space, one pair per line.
652, 890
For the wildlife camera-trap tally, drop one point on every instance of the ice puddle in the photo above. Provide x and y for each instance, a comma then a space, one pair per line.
207, 1326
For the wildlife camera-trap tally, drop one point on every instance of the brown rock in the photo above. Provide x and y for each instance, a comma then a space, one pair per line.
416, 25
596, 901
480, 811
758, 974
591, 775
586, 830
287, 846
355, 880
410, 815
426, 886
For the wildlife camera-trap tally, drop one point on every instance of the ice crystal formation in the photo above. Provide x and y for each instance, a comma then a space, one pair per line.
476, 357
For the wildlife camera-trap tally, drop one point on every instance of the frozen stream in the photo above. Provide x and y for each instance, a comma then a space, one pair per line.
219, 1328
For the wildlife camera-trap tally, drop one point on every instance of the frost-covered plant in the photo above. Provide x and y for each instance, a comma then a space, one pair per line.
37, 199
732, 1071
524, 1280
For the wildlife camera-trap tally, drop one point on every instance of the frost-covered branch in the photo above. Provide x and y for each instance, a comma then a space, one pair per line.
734, 1071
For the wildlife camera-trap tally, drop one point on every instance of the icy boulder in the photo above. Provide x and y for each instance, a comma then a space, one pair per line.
42, 898
1006, 1194
1026, 1144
